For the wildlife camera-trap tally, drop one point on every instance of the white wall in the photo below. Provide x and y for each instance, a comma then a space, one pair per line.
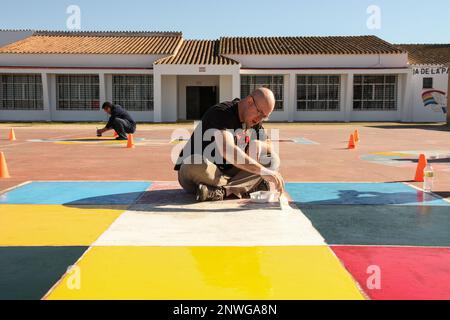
169, 84
322, 61
50, 112
420, 113
346, 112
79, 60
173, 94
226, 88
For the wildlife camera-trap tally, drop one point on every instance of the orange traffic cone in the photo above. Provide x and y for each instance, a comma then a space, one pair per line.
420, 168
4, 173
351, 142
12, 135
130, 143
356, 134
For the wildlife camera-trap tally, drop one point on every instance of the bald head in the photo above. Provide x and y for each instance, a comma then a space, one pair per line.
257, 107
265, 99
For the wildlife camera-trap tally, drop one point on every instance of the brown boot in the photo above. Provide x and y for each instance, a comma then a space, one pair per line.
207, 193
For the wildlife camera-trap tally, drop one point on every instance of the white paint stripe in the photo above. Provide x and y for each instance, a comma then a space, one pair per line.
15, 187
63, 276
432, 193
227, 223
28, 141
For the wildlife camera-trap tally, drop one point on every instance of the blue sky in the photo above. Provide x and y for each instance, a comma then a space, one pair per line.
401, 21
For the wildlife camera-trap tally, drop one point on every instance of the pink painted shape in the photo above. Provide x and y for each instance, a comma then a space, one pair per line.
165, 193
407, 273
165, 185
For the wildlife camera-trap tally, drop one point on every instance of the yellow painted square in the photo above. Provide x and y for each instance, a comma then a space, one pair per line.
54, 225
208, 273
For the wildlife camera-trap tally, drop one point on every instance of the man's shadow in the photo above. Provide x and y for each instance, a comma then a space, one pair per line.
167, 201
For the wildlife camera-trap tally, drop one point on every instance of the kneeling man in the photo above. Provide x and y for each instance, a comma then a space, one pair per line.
119, 120
234, 157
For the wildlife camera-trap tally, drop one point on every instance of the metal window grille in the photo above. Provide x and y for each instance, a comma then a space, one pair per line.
427, 83
21, 92
375, 92
78, 92
249, 83
133, 92
318, 92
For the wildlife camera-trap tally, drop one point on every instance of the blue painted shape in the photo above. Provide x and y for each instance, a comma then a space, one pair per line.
360, 194
76, 193
303, 141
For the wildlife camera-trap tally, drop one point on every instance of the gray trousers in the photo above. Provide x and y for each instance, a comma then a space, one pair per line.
235, 181
122, 127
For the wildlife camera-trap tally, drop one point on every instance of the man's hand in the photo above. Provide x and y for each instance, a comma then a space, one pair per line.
275, 178
99, 132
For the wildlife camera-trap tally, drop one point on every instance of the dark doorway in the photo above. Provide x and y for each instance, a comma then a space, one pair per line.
198, 100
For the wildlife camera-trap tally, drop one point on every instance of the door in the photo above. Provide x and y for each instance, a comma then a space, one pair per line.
198, 100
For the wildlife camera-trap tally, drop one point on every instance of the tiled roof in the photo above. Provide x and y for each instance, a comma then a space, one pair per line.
306, 45
197, 52
434, 54
48, 42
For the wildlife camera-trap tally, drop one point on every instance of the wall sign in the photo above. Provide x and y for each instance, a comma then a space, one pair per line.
430, 71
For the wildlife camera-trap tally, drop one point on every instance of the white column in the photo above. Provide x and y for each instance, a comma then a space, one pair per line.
405, 105
102, 88
292, 92
236, 86
157, 97
225, 88
46, 95
348, 106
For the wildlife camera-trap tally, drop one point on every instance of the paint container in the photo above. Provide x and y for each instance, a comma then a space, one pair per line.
428, 178
264, 196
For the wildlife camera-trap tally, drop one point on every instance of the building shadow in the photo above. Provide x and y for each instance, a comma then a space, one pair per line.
426, 126
446, 159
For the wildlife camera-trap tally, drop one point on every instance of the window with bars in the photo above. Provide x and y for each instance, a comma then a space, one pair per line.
249, 83
78, 92
133, 92
375, 92
318, 92
427, 83
21, 92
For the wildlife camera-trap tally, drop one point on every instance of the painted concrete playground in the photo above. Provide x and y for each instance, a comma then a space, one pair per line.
94, 220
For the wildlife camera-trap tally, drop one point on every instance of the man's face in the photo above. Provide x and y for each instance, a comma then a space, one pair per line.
107, 110
256, 111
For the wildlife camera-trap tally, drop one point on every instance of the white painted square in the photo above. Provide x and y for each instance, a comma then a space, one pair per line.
229, 223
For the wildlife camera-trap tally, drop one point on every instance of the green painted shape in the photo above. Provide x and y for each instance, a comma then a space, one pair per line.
28, 273
381, 225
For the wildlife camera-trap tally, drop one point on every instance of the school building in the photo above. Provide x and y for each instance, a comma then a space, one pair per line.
162, 77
